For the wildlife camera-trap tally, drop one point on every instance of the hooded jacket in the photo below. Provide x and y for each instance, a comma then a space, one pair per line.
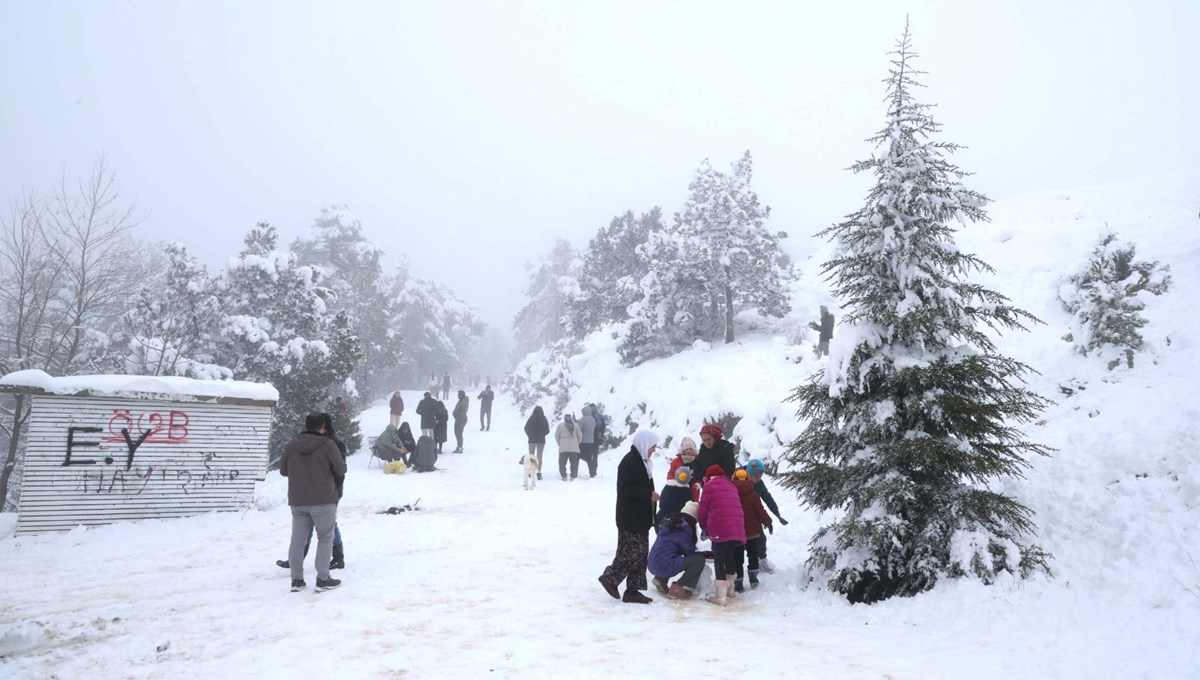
587, 425
676, 541
460, 409
396, 405
537, 427
311, 461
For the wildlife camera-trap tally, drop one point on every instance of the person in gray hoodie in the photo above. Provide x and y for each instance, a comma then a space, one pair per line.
567, 436
311, 462
588, 451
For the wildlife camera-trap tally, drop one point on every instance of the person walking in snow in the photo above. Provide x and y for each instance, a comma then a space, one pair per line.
720, 516
715, 450
460, 419
427, 409
754, 519
567, 436
396, 408
311, 462
587, 449
536, 429
635, 515
446, 385
674, 552
485, 408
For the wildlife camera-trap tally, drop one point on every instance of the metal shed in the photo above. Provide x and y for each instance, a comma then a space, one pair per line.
103, 449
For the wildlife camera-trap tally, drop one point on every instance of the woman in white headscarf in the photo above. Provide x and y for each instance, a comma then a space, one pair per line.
635, 516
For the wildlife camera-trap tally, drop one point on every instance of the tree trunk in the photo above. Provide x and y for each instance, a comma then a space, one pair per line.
728, 309
14, 443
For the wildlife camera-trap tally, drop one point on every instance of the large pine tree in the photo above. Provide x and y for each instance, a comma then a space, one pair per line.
916, 415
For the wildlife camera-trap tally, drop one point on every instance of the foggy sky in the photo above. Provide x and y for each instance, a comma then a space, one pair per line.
468, 135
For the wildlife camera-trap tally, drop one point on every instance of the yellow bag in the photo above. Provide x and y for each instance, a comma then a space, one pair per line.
394, 467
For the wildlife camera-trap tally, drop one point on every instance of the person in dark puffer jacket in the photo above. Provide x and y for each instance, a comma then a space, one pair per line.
715, 450
674, 551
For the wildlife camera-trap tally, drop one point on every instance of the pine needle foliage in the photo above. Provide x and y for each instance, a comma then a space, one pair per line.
916, 416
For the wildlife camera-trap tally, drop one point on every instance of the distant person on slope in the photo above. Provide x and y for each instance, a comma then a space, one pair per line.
567, 436
441, 419
460, 419
427, 409
485, 408
587, 449
396, 408
536, 429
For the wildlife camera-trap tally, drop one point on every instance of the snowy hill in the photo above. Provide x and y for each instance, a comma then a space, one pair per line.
488, 579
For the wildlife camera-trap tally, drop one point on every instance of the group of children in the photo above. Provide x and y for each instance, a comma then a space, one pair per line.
726, 508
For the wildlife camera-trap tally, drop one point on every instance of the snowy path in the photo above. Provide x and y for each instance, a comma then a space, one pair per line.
489, 580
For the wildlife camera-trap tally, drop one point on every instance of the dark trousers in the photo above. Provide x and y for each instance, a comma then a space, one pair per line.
459, 426
693, 566
629, 564
748, 553
726, 559
573, 457
589, 453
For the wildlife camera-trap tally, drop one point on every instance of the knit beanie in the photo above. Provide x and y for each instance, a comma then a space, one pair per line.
714, 471
690, 508
741, 474
686, 444
755, 467
713, 429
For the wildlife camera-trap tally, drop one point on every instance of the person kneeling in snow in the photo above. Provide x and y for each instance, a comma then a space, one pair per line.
674, 552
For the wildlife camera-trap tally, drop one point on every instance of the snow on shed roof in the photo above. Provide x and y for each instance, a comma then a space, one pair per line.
139, 387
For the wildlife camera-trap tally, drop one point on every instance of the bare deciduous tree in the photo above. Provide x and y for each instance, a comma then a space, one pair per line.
66, 266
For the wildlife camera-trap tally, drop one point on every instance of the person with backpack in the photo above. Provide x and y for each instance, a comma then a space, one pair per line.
601, 427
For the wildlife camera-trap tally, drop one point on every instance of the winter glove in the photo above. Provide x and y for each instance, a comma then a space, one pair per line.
771, 529
783, 521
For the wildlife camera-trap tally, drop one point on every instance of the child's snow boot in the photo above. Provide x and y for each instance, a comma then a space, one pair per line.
753, 578
339, 558
737, 586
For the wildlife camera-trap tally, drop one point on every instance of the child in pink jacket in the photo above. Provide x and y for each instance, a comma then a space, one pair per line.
720, 515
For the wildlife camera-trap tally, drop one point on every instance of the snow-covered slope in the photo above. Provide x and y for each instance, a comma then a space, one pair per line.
490, 580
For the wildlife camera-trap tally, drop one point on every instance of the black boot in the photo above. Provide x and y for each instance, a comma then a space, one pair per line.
339, 559
286, 564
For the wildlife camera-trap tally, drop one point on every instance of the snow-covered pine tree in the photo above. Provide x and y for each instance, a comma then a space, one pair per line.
1106, 299
916, 414
353, 270
608, 282
171, 325
725, 228
277, 329
551, 282
438, 328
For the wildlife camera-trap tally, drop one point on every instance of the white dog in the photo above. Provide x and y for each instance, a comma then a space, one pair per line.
530, 463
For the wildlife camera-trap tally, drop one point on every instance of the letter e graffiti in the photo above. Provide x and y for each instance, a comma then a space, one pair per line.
72, 444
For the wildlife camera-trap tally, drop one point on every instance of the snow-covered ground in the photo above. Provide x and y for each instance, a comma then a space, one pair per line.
489, 580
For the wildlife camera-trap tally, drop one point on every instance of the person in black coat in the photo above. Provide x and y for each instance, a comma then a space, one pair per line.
635, 516
406, 439
536, 429
714, 450
427, 409
440, 418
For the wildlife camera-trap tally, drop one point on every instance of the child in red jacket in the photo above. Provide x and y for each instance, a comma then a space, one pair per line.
756, 518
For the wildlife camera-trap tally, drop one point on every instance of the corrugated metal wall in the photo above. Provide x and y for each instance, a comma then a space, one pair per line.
84, 463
